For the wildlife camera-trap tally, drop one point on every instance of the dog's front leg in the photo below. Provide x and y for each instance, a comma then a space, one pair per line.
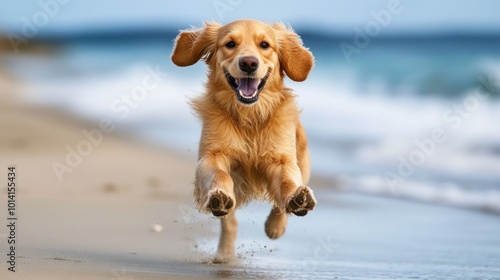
287, 188
289, 192
214, 192
213, 184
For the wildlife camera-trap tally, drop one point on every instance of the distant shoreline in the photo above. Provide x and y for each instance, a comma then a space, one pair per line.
133, 33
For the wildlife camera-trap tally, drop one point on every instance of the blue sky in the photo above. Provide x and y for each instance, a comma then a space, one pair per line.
343, 16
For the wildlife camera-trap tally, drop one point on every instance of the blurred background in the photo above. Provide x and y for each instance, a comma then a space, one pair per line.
403, 100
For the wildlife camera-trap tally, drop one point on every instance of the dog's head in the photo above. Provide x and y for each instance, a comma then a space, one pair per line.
245, 56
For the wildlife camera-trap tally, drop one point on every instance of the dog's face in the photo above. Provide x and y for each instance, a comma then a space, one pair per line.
245, 56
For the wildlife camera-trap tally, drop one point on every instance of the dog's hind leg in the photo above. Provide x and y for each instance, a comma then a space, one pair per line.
229, 231
276, 223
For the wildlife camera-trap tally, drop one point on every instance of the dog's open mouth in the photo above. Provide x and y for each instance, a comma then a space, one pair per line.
247, 89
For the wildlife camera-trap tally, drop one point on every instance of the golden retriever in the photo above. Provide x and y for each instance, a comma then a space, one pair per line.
252, 144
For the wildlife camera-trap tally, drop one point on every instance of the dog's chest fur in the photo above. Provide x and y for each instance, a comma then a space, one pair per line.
250, 147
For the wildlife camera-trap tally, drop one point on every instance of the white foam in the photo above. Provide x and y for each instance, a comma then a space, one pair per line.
390, 127
164, 107
431, 192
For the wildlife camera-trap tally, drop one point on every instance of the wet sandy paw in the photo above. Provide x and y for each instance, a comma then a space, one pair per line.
220, 203
301, 202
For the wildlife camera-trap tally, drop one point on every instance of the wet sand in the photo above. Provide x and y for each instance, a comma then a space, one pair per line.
97, 223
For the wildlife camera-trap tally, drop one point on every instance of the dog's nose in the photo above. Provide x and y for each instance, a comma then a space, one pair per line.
249, 64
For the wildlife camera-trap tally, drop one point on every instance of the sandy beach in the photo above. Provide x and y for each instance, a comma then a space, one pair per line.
98, 222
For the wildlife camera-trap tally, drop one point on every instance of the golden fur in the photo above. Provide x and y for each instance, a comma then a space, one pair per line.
256, 151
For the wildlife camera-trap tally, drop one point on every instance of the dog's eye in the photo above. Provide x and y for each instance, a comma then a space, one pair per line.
264, 45
230, 44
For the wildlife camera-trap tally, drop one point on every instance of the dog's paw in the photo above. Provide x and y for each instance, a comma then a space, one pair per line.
219, 259
219, 203
275, 225
301, 202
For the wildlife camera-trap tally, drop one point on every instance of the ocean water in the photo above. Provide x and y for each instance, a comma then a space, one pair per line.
410, 117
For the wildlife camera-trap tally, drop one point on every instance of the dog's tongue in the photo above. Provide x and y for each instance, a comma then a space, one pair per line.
247, 86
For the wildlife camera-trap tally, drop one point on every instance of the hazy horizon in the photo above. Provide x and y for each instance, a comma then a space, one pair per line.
327, 17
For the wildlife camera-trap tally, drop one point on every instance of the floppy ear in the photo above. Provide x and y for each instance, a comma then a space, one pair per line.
192, 45
295, 59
